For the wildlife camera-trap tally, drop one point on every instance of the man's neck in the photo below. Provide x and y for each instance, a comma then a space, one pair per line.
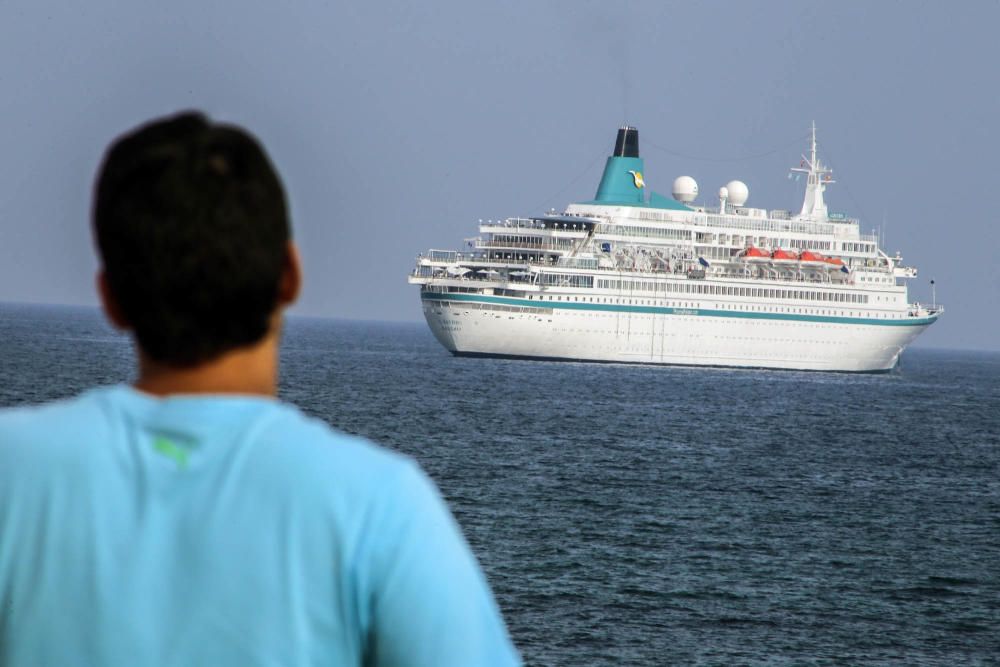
246, 370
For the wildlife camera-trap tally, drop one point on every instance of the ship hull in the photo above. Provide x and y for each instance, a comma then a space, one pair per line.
475, 325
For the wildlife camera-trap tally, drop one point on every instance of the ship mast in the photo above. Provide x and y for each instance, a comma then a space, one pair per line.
818, 176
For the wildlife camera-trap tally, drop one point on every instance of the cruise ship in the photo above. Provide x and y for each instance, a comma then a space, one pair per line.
633, 276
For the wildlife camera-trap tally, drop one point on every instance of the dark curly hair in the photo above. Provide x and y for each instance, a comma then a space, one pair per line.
192, 227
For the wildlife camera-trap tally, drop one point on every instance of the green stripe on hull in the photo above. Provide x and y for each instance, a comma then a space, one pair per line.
664, 310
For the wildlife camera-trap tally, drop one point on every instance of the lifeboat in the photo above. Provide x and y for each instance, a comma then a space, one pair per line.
834, 261
811, 258
784, 256
753, 254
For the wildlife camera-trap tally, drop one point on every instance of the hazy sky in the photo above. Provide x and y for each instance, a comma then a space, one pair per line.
397, 126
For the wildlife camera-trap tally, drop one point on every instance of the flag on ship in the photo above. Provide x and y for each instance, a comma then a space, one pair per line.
703, 262
605, 247
844, 269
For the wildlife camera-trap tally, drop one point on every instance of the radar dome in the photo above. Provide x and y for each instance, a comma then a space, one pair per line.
738, 192
685, 189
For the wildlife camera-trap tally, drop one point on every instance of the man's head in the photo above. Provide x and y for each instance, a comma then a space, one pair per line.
192, 227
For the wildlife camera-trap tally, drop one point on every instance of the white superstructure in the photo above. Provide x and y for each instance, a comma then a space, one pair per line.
633, 278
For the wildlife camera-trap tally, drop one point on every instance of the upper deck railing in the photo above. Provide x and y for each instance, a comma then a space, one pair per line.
840, 229
765, 224
844, 227
515, 273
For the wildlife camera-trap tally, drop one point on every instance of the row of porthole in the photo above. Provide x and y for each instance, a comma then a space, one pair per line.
772, 309
734, 338
733, 307
616, 315
724, 306
813, 327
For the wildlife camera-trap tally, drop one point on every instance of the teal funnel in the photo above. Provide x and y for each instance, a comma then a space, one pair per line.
622, 182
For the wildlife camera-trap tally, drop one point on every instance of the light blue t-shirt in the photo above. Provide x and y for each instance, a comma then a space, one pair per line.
224, 531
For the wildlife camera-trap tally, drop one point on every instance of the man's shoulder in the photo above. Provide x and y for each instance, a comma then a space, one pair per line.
52, 441
303, 441
46, 422
273, 427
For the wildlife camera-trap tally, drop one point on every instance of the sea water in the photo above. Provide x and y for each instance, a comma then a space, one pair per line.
655, 515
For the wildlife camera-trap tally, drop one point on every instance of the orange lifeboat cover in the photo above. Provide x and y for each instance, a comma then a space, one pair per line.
783, 254
809, 256
755, 252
